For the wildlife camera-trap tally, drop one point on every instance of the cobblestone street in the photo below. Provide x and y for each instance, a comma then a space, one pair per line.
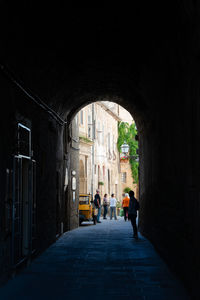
97, 262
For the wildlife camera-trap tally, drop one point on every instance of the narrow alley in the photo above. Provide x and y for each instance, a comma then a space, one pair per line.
97, 262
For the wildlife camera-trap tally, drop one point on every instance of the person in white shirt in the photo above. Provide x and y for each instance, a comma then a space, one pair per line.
113, 203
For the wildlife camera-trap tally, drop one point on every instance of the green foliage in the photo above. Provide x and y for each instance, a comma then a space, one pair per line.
127, 189
85, 139
118, 204
101, 183
126, 134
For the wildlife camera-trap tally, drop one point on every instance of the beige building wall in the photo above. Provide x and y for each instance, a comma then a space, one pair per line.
99, 157
126, 177
100, 165
85, 149
123, 114
107, 163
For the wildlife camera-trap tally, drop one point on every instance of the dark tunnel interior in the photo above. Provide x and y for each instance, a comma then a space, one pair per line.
145, 58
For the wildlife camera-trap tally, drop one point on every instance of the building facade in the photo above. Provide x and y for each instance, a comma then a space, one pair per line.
126, 174
126, 177
99, 157
100, 165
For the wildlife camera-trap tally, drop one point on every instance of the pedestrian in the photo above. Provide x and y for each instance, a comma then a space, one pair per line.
105, 206
113, 202
125, 205
132, 213
97, 202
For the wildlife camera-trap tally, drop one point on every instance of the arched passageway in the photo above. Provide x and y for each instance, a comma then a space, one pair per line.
152, 72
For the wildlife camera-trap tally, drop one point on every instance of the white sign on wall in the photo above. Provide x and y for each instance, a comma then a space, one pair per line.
74, 196
73, 183
66, 180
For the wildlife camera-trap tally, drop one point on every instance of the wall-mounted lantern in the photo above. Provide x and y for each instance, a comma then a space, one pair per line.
125, 150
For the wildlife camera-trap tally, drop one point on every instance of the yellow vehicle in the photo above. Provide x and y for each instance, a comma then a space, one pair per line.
87, 211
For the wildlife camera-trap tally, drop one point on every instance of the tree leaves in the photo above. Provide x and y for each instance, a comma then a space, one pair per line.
126, 134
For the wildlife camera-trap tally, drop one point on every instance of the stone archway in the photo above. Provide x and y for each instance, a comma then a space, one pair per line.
147, 63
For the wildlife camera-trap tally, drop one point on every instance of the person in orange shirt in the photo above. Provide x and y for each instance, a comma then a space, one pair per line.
125, 205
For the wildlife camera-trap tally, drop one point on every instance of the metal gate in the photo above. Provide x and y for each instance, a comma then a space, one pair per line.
23, 208
33, 208
16, 212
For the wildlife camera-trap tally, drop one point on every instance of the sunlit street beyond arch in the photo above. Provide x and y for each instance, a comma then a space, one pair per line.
100, 261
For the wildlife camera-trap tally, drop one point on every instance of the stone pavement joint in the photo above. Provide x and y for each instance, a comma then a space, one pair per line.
100, 261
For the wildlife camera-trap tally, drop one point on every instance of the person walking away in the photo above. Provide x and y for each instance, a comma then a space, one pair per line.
113, 202
105, 206
125, 205
97, 202
132, 213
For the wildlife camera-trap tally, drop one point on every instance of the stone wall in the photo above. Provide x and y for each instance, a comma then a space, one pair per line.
72, 196
47, 151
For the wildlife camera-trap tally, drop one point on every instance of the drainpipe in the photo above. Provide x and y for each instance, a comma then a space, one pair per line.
93, 138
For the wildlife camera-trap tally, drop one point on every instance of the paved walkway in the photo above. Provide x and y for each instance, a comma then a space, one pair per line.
96, 262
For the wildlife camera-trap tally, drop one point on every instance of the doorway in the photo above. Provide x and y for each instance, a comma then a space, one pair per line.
23, 199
